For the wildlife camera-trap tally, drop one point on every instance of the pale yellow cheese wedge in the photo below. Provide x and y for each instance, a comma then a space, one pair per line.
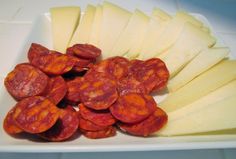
64, 22
207, 82
213, 117
96, 27
114, 21
189, 18
219, 94
161, 14
190, 42
83, 30
132, 35
154, 30
203, 61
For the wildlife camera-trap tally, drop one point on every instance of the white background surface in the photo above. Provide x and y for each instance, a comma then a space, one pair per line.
16, 17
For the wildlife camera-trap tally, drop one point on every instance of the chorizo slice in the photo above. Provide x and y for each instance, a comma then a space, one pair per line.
133, 107
88, 125
86, 51
98, 91
130, 85
105, 133
98, 117
25, 81
148, 126
56, 89
64, 128
152, 73
54, 63
9, 124
35, 114
36, 50
73, 93
117, 67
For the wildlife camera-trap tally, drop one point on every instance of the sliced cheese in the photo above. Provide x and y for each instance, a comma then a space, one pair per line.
215, 116
207, 82
114, 20
189, 18
203, 61
190, 42
161, 14
64, 22
96, 27
167, 37
200, 104
132, 35
83, 30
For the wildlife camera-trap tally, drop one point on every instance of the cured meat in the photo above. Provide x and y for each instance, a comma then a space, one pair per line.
98, 117
117, 67
130, 85
64, 128
148, 126
108, 132
36, 50
73, 93
35, 114
54, 63
98, 91
133, 107
153, 73
25, 81
88, 125
9, 124
86, 51
56, 89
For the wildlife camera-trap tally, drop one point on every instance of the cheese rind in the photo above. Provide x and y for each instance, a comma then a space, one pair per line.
203, 61
64, 22
83, 30
114, 20
215, 116
132, 35
219, 75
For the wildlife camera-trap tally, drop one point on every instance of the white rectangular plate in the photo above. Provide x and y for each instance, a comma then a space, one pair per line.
41, 33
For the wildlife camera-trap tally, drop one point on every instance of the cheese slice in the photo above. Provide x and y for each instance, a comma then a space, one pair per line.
83, 30
64, 22
190, 42
215, 116
114, 20
200, 104
161, 14
132, 35
96, 27
203, 61
207, 82
189, 18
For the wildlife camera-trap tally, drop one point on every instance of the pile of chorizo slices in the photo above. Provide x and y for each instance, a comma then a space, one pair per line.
59, 95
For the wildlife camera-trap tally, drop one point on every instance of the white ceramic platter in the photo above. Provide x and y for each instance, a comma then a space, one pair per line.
41, 33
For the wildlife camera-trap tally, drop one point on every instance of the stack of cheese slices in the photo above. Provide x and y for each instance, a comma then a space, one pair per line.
202, 88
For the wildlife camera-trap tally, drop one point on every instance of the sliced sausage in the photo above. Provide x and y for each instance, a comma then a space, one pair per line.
25, 81
133, 107
98, 117
36, 50
98, 91
65, 127
148, 126
88, 125
56, 89
54, 63
35, 114
73, 93
9, 124
108, 132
